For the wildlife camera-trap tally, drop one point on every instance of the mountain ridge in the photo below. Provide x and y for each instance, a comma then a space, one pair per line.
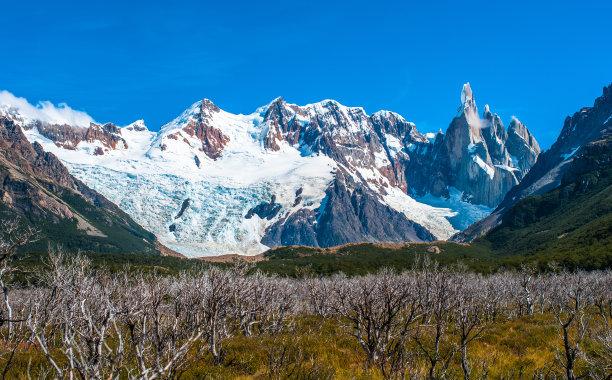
227, 165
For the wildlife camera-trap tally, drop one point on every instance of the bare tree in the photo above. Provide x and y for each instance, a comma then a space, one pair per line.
439, 302
12, 317
78, 310
526, 297
12, 237
261, 304
471, 296
93, 324
163, 323
600, 359
379, 310
569, 298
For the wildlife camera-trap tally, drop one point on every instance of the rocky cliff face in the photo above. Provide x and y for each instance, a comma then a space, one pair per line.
478, 156
588, 125
106, 137
37, 189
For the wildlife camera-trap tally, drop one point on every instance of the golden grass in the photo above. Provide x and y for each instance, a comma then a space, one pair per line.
509, 348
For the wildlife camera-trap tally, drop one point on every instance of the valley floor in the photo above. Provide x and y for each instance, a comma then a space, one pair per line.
315, 348
77, 321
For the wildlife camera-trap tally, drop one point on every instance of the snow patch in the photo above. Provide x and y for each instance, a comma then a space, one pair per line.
150, 184
568, 155
507, 168
434, 219
483, 165
394, 144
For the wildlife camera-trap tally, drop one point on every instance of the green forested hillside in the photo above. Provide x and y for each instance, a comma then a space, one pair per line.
571, 224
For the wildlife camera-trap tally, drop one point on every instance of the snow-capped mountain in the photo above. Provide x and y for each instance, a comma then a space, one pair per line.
586, 126
211, 182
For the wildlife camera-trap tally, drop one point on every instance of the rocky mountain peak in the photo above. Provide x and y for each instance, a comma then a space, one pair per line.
208, 105
138, 126
486, 111
466, 93
200, 126
478, 154
519, 129
372, 169
467, 97
543, 172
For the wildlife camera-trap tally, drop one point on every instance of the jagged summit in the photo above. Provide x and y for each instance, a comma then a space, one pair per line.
207, 104
480, 151
466, 94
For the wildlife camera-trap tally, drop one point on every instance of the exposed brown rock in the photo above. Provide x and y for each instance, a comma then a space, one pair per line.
213, 140
108, 134
68, 137
434, 249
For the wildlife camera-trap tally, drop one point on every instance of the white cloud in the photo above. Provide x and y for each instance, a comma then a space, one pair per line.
45, 111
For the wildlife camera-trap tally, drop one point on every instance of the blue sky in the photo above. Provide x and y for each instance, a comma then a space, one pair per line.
122, 61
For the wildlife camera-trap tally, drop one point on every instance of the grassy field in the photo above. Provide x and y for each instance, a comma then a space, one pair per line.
316, 348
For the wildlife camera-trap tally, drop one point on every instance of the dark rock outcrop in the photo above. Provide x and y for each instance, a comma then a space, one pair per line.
265, 210
184, 207
349, 213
